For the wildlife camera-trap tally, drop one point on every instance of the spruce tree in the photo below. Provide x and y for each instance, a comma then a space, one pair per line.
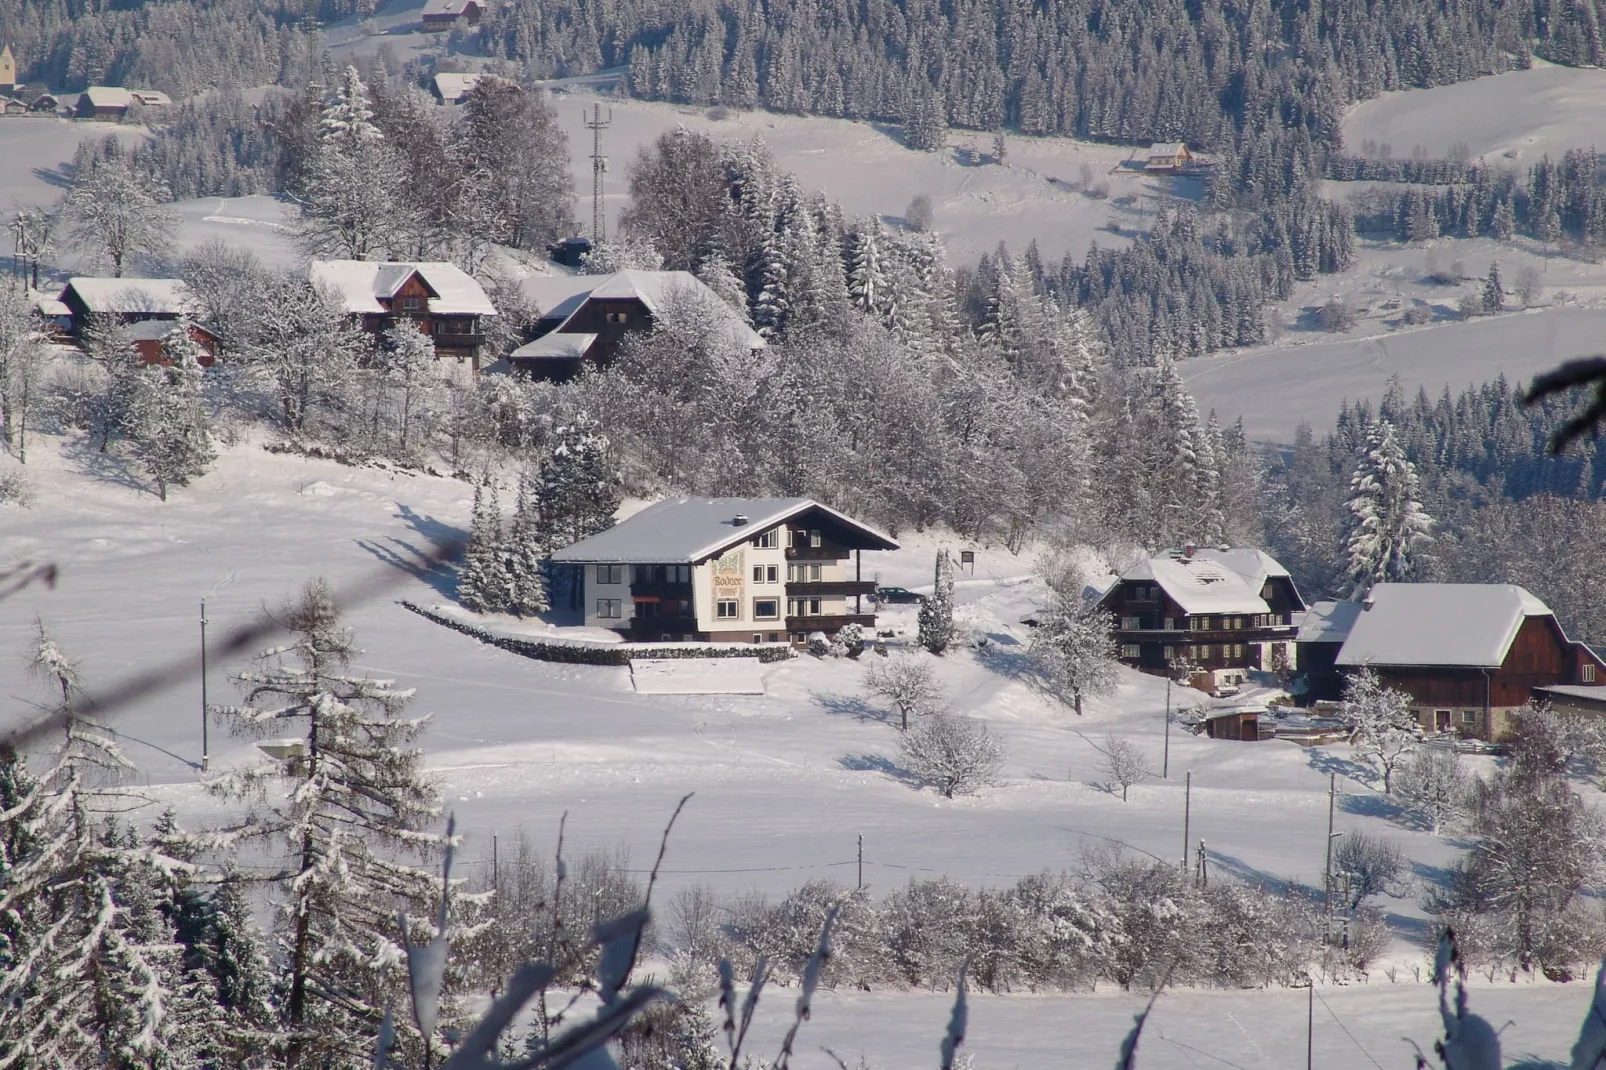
483, 582
1388, 527
1494, 293
577, 492
347, 812
525, 557
937, 611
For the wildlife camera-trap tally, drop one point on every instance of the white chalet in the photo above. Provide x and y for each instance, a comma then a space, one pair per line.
761, 570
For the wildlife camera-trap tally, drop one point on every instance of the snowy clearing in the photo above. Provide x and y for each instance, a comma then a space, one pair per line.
1512, 118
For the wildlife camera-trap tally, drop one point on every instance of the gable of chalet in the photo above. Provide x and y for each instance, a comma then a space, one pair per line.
692, 530
375, 288
1204, 582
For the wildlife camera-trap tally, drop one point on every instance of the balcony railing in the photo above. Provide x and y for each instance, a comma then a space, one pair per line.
829, 588
815, 553
829, 623
659, 589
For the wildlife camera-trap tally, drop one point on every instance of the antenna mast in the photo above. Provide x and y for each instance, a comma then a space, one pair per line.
599, 166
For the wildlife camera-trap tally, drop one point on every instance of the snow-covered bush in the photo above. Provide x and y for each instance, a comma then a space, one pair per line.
956, 755
937, 611
851, 639
819, 645
1434, 784
14, 489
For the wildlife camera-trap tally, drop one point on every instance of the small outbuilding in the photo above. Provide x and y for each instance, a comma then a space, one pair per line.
445, 14
1235, 722
149, 339
1167, 158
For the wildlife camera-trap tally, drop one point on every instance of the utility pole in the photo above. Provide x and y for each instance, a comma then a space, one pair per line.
1187, 816
1310, 1024
496, 870
599, 166
861, 861
206, 757
1165, 762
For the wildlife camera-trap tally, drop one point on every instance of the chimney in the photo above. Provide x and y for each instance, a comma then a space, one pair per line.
741, 518
1188, 550
1367, 602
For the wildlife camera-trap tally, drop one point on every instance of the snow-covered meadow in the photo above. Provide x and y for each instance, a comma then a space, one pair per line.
785, 782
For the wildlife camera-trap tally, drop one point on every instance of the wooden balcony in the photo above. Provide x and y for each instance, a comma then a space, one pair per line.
824, 623
660, 590
830, 588
816, 553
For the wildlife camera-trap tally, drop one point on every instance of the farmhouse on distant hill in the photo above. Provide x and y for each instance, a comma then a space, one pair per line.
452, 88
111, 103
1468, 654
444, 14
123, 301
443, 300
585, 317
1167, 158
1223, 611
725, 570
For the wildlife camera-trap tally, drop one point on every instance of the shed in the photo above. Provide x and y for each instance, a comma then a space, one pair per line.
1235, 722
1574, 698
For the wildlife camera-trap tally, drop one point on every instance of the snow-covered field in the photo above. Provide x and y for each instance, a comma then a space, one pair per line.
1512, 118
784, 781
866, 168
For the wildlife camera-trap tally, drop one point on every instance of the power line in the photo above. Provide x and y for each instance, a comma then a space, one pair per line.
1345, 1028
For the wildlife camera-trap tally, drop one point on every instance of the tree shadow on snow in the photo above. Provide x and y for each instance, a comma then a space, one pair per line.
1381, 806
416, 563
1324, 761
86, 456
59, 176
1258, 878
437, 532
851, 706
878, 763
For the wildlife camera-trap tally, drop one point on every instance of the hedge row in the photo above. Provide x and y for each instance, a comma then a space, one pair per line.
580, 652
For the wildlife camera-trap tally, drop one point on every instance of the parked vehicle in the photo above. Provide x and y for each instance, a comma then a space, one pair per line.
898, 596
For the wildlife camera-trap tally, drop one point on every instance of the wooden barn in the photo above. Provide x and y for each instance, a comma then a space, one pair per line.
123, 301
1468, 654
445, 14
1167, 158
1235, 722
149, 339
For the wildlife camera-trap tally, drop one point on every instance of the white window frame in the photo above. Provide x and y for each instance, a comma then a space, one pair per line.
1469, 717
768, 540
772, 573
759, 614
814, 539
1588, 673
815, 572
728, 609
1131, 624
611, 575
758, 573
610, 608
1131, 650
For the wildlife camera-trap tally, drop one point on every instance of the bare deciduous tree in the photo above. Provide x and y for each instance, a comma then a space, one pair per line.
907, 685
957, 755
1375, 866
1125, 765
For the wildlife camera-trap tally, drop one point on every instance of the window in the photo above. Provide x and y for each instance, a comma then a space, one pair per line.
769, 540
727, 608
616, 317
1130, 624
814, 538
757, 638
610, 607
814, 573
1199, 624
1238, 650
1170, 652
610, 574
758, 573
775, 637
1204, 652
772, 573
1469, 716
766, 608
1129, 650
1589, 672
1171, 624
1265, 592
412, 304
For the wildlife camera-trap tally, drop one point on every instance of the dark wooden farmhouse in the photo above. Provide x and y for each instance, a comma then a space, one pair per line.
585, 317
1224, 612
439, 298
1468, 654
1321, 635
149, 339
445, 14
111, 103
725, 570
119, 301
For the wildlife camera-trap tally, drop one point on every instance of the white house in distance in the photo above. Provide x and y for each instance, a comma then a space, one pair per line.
724, 570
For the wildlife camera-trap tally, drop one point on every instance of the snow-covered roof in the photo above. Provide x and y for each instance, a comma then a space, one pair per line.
109, 96
125, 296
561, 296
361, 283
1328, 622
1166, 148
150, 97
448, 8
1211, 581
50, 306
454, 87
1587, 692
692, 529
555, 347
1448, 624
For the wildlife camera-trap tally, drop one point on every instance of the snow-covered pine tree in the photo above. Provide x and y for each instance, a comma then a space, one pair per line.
526, 555
578, 488
483, 582
347, 812
78, 985
1494, 290
242, 974
719, 275
937, 611
349, 194
167, 420
1388, 526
